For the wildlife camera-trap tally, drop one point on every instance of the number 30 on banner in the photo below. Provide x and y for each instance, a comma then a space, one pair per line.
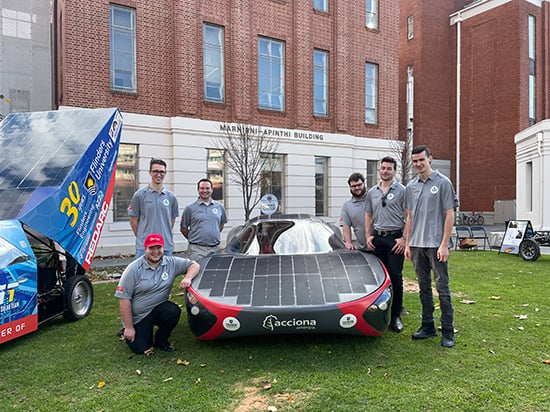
68, 204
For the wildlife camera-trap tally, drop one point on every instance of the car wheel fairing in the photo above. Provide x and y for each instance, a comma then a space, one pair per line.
78, 296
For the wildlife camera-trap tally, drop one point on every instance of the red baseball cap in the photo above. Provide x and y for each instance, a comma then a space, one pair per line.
154, 239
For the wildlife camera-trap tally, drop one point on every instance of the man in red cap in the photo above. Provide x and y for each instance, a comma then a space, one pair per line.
143, 292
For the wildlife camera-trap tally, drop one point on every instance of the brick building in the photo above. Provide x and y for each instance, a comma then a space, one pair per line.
321, 74
501, 47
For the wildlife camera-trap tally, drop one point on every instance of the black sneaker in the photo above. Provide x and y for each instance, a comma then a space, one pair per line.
167, 347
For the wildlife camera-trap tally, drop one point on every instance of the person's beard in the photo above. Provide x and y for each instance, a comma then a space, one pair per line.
363, 191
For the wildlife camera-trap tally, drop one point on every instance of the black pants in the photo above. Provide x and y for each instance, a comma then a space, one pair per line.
394, 266
166, 316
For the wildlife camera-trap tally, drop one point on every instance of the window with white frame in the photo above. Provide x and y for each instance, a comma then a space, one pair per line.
272, 178
321, 186
371, 93
213, 63
410, 27
126, 180
216, 173
532, 98
123, 48
320, 83
271, 91
321, 5
371, 14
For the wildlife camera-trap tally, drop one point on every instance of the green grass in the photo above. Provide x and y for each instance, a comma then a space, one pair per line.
497, 364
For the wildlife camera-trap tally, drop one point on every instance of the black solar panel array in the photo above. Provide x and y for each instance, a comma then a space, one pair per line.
271, 280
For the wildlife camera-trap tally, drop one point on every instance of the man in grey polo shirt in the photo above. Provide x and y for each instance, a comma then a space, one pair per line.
143, 292
154, 209
202, 222
353, 213
384, 222
429, 204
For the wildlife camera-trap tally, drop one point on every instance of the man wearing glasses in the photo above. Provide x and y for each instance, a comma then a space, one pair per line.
353, 213
384, 222
154, 209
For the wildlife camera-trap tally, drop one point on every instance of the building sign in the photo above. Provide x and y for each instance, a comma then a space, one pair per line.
273, 132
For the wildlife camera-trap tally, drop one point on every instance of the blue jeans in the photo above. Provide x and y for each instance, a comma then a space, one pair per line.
424, 261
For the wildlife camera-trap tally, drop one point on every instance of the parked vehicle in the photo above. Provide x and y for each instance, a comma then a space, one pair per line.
288, 274
56, 183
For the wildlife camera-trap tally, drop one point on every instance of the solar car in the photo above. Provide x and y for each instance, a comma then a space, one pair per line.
56, 183
288, 274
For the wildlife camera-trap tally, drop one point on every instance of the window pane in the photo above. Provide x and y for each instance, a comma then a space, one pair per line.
272, 178
126, 181
320, 82
270, 74
371, 92
215, 172
122, 48
320, 5
213, 64
321, 186
371, 9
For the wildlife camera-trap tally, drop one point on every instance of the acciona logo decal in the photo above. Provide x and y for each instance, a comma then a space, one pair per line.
271, 322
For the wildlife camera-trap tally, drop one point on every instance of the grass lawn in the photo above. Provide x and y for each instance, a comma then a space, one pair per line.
502, 314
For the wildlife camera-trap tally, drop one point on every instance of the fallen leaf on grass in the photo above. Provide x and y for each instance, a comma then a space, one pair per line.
197, 381
520, 317
182, 362
138, 372
168, 379
266, 385
100, 385
494, 297
468, 302
521, 328
202, 365
271, 409
547, 361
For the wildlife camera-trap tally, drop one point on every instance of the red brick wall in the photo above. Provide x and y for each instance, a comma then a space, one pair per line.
169, 60
494, 90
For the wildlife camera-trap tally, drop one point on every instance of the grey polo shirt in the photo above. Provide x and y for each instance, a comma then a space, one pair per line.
391, 216
155, 212
428, 202
146, 287
353, 214
204, 221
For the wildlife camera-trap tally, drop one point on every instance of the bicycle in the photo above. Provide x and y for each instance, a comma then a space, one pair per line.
475, 218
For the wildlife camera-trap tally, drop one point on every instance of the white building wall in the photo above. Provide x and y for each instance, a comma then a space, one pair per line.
183, 143
532, 195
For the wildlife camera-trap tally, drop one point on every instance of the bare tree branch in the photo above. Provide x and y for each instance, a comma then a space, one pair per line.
401, 151
243, 146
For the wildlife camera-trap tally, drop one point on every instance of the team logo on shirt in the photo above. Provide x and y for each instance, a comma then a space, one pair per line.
215, 211
166, 202
390, 196
164, 276
434, 190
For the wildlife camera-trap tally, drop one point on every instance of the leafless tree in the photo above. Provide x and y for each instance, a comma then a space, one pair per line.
243, 146
401, 150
